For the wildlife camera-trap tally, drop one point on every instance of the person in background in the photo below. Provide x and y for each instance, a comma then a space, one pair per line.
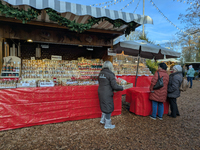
183, 71
175, 80
107, 84
190, 75
160, 95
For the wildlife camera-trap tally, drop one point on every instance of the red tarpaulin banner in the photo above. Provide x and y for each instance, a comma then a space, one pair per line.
23, 107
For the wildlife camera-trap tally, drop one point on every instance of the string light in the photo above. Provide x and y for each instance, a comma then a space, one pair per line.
166, 17
115, 2
127, 5
186, 1
136, 6
108, 2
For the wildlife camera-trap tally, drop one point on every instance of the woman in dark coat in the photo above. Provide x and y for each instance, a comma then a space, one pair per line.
159, 96
107, 84
175, 80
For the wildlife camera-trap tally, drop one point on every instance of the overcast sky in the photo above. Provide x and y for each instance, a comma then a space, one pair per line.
161, 31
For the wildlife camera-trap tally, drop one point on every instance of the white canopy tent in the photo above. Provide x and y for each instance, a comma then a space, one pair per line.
143, 49
170, 59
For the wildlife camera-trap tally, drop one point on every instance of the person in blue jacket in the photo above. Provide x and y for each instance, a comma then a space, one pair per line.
190, 75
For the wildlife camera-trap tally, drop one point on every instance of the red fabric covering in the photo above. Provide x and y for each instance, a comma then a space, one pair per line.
142, 81
138, 97
23, 107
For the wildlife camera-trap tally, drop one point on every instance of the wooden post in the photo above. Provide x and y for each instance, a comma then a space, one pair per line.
1, 52
19, 50
13, 50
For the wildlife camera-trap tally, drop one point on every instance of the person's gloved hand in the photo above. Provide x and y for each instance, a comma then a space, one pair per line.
123, 87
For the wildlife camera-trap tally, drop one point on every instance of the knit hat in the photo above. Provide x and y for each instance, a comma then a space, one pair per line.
190, 66
163, 66
177, 68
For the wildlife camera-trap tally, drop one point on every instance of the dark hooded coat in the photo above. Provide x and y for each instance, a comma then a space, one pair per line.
175, 80
107, 84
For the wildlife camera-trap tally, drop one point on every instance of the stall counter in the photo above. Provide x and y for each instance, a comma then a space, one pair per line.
23, 107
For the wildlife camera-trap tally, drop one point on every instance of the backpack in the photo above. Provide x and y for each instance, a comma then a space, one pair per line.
184, 85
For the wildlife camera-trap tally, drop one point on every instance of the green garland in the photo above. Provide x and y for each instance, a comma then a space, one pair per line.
20, 14
26, 16
72, 25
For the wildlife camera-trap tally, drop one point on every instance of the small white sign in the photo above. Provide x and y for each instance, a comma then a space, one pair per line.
46, 84
111, 52
55, 57
25, 84
71, 82
32, 58
44, 46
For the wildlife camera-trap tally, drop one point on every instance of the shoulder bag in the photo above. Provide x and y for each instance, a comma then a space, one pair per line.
159, 83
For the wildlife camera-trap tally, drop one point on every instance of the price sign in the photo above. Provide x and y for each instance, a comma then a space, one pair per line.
25, 84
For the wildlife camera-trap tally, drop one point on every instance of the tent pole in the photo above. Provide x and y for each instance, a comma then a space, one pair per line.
137, 69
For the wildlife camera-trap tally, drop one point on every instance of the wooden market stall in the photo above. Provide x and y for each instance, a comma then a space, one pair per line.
55, 41
170, 62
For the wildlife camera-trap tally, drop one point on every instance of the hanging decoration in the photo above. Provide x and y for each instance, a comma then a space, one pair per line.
127, 5
151, 1
20, 14
73, 26
115, 2
136, 6
108, 3
186, 1
98, 4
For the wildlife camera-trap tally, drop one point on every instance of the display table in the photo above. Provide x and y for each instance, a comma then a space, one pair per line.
23, 107
138, 97
142, 81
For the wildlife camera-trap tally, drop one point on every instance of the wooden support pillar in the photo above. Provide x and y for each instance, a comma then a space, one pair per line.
111, 57
1, 52
6, 49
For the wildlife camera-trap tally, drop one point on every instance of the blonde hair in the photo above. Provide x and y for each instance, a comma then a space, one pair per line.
109, 65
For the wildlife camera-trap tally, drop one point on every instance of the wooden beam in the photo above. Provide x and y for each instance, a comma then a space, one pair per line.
54, 25
1, 52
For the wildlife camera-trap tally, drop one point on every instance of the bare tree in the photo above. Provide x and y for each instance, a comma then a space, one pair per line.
190, 39
192, 18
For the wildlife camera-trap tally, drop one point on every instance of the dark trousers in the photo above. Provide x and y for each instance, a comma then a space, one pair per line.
108, 116
173, 107
189, 79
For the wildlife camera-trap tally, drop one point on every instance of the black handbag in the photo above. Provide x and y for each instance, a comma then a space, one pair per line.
159, 83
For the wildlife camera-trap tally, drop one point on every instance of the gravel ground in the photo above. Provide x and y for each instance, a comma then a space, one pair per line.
131, 133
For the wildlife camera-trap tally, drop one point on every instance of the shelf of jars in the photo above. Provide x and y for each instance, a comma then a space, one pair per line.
88, 73
48, 69
74, 72
8, 83
11, 67
130, 68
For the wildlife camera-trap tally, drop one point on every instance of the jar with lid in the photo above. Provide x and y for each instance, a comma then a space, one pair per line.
8, 67
4, 66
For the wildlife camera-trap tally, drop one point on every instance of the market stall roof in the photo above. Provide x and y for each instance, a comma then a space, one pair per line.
81, 13
146, 50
